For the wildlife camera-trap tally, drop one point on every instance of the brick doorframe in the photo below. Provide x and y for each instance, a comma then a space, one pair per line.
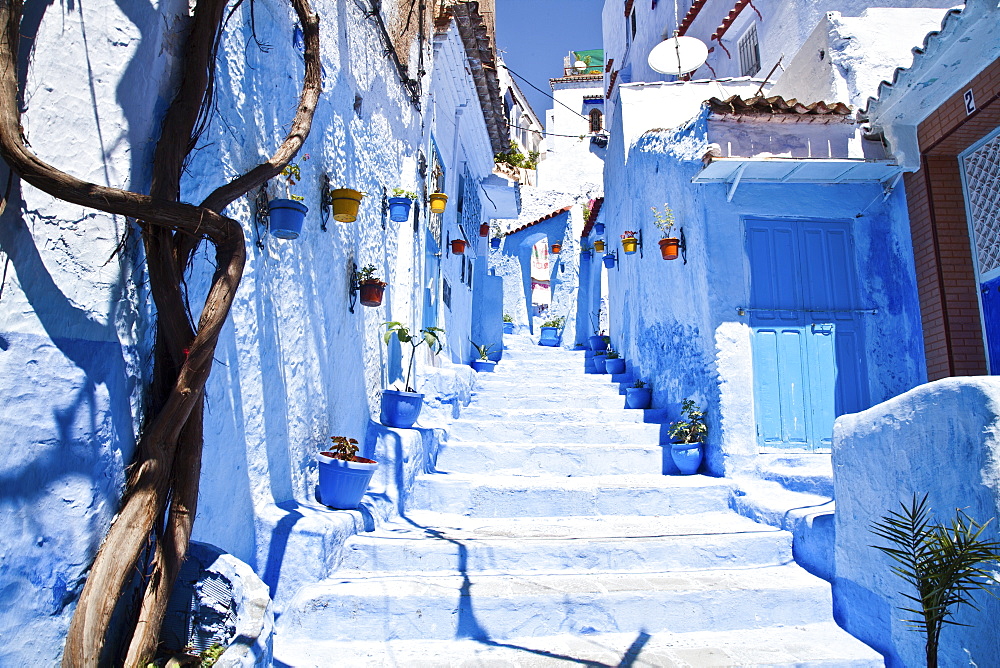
946, 281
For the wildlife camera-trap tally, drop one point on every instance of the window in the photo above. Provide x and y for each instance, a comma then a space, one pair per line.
749, 52
632, 24
595, 120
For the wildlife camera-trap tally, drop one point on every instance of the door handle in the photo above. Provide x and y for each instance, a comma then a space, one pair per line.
824, 328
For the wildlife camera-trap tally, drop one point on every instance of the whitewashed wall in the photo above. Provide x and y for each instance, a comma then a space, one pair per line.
293, 365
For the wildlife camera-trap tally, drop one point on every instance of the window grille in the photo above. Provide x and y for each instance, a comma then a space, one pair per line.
749, 52
982, 176
595, 120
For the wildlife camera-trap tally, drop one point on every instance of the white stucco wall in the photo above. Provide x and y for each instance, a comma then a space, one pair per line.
939, 439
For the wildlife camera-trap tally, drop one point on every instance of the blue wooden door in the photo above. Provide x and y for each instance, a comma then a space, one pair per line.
804, 313
990, 298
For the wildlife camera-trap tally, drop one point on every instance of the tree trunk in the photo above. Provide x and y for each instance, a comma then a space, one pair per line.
168, 456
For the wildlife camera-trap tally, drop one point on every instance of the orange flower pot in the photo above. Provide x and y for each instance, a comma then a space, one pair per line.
484, 230
458, 246
556, 248
669, 248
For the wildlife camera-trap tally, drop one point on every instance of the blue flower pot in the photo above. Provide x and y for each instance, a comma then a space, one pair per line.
599, 362
638, 397
687, 457
598, 343
508, 328
486, 366
495, 242
616, 365
342, 484
399, 209
599, 229
586, 255
400, 409
285, 218
549, 337
609, 261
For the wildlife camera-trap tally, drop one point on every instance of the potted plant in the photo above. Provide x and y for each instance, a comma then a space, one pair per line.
400, 204
438, 202
638, 396
598, 341
613, 362
629, 243
508, 324
484, 363
669, 246
343, 476
285, 215
688, 436
495, 241
556, 249
598, 228
401, 408
609, 261
586, 251
484, 230
458, 246
599, 245
550, 332
345, 202
370, 287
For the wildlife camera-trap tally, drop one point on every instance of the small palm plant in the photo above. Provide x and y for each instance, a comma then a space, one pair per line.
944, 563
428, 335
483, 350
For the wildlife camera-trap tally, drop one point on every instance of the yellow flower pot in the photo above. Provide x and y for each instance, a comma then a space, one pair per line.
345, 204
599, 245
630, 244
438, 202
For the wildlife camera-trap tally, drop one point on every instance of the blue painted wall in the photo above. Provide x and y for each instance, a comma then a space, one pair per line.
677, 324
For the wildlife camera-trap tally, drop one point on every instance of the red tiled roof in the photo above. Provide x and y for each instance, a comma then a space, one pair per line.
775, 105
594, 210
540, 220
730, 17
691, 15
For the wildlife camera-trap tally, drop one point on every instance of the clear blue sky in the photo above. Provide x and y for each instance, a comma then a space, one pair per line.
534, 35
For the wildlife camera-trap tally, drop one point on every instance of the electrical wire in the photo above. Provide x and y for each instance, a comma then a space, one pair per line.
549, 95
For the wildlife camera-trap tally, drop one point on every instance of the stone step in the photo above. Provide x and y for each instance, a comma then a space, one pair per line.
378, 607
524, 431
428, 541
573, 413
821, 645
551, 459
810, 473
520, 496
524, 397
567, 384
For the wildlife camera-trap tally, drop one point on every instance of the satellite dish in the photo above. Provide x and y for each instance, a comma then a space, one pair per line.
678, 55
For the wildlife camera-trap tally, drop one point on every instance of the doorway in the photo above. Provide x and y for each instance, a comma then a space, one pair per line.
805, 316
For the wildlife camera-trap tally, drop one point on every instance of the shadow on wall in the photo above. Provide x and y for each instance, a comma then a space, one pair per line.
70, 435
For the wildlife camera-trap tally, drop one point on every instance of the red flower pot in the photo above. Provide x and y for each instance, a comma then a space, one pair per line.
458, 246
371, 293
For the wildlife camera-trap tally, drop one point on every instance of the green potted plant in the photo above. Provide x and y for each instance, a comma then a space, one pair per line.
550, 332
586, 251
508, 324
286, 215
638, 395
613, 363
669, 246
343, 475
495, 241
484, 363
688, 437
401, 408
370, 287
400, 204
